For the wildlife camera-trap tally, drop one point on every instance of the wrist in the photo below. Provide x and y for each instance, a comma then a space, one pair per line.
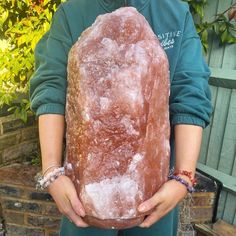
187, 175
180, 180
184, 177
49, 168
45, 180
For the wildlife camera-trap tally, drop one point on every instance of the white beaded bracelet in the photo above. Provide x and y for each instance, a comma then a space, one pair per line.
44, 181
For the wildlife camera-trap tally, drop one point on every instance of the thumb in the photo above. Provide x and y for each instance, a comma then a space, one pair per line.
150, 203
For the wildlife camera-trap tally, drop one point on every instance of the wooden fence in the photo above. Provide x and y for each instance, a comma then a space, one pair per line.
218, 153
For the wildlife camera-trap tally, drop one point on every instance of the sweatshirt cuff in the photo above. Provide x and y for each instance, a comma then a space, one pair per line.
187, 119
51, 108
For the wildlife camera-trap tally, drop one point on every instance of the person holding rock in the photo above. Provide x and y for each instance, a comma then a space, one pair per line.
190, 107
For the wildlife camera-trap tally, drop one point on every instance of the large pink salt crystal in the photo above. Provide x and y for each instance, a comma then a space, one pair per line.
117, 118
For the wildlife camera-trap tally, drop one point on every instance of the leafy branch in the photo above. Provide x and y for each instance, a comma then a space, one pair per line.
223, 26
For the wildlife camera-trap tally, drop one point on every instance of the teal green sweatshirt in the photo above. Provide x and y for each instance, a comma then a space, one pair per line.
170, 20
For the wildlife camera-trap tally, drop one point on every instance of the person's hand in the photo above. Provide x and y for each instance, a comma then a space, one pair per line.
167, 197
67, 201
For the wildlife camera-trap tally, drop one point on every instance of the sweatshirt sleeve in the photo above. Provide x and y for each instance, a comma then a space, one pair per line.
190, 98
48, 83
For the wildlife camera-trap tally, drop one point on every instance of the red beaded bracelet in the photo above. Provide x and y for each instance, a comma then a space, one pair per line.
189, 174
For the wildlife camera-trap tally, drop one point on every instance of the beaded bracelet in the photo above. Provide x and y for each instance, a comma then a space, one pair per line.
49, 168
190, 189
44, 181
187, 174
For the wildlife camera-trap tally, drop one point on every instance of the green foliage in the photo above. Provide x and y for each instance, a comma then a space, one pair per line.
223, 26
22, 24
36, 159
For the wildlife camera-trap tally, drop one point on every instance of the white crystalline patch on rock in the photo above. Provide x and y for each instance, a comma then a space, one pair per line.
141, 57
129, 126
135, 65
90, 157
136, 159
110, 45
127, 14
131, 89
77, 164
96, 125
104, 103
87, 117
102, 196
85, 113
69, 166
132, 212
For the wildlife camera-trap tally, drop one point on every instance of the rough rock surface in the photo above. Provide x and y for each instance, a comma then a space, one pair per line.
117, 118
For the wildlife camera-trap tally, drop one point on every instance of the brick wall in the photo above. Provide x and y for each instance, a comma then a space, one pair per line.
26, 212
18, 140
